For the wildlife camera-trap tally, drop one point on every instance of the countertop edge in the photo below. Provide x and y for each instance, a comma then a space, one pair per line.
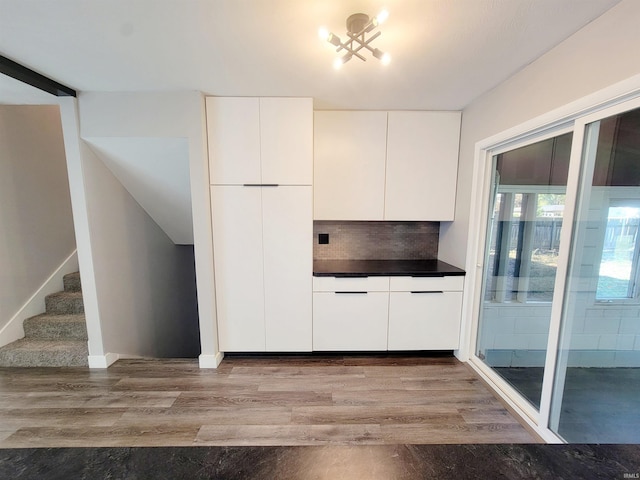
384, 268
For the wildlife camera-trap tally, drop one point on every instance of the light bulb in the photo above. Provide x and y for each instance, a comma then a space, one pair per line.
334, 40
323, 33
386, 59
382, 16
337, 63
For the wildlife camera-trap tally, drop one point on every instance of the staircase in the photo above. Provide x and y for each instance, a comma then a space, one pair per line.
57, 338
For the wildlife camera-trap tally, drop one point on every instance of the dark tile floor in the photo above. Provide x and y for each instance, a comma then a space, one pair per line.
599, 405
397, 462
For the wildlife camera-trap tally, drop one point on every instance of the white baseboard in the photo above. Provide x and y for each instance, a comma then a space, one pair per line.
103, 361
210, 361
13, 330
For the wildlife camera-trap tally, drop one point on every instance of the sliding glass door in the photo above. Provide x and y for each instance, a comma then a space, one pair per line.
557, 330
521, 254
596, 397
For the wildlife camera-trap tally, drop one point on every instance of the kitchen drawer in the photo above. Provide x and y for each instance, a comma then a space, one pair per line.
424, 321
350, 321
427, 284
350, 284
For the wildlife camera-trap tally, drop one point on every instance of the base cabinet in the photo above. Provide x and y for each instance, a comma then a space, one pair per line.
424, 320
345, 321
425, 313
387, 313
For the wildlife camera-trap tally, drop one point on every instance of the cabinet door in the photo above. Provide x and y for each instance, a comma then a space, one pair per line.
288, 267
238, 261
350, 321
424, 321
233, 132
422, 165
286, 135
349, 164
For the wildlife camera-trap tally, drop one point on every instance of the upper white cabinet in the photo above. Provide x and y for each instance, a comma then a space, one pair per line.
260, 140
422, 165
233, 132
286, 139
349, 162
385, 165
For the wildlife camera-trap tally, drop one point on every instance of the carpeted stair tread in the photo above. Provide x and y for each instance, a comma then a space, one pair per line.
29, 352
72, 283
56, 327
57, 338
64, 303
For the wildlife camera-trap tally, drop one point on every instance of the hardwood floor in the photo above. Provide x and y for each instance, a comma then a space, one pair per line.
265, 400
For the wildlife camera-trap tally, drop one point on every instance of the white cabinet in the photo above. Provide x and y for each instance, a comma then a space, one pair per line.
350, 313
238, 258
260, 140
385, 165
349, 162
233, 133
286, 135
386, 313
424, 313
350, 321
261, 170
262, 238
422, 165
287, 235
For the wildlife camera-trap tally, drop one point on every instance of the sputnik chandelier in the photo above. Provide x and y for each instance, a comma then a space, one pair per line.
359, 25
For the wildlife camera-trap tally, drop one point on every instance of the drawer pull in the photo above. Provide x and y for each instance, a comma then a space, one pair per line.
260, 185
427, 276
427, 291
351, 293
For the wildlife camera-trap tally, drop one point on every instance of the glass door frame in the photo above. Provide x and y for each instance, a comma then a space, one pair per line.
573, 117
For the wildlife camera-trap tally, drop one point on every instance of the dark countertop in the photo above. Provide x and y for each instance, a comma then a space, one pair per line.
372, 268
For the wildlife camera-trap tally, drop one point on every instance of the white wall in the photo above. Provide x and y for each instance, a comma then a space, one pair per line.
36, 225
600, 54
167, 115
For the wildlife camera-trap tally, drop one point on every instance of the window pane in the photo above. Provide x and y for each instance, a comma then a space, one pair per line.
596, 396
521, 254
616, 277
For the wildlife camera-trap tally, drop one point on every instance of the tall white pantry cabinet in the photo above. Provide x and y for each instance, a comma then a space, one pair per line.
261, 170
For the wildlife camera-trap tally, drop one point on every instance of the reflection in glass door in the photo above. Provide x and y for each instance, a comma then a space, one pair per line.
522, 245
596, 396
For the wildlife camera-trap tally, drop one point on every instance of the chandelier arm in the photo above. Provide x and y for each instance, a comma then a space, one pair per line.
364, 43
355, 52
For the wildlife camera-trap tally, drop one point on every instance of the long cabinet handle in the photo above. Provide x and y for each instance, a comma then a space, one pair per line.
260, 185
427, 291
350, 293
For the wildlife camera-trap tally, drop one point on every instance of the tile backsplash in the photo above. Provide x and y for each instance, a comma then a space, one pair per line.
376, 240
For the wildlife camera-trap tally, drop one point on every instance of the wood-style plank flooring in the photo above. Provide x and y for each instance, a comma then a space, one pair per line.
266, 400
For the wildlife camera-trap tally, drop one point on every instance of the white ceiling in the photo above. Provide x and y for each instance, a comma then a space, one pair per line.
445, 52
